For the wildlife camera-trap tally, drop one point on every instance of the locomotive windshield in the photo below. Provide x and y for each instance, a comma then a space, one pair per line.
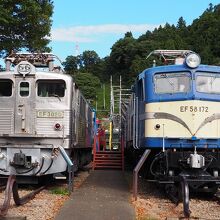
51, 88
208, 83
172, 83
5, 87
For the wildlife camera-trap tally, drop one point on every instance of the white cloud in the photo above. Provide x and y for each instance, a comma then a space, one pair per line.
87, 33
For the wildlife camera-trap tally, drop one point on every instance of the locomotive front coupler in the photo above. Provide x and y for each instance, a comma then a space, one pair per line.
20, 160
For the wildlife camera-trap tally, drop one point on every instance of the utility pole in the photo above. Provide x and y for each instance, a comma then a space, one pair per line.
120, 89
104, 95
77, 49
96, 104
111, 113
112, 98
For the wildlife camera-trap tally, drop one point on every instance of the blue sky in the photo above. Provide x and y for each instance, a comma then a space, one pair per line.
97, 24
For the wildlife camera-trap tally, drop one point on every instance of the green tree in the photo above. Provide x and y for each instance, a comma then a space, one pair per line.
122, 54
181, 24
89, 59
205, 35
88, 84
92, 63
25, 25
71, 64
137, 66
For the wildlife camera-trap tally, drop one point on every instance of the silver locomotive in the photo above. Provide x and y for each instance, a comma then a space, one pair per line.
41, 109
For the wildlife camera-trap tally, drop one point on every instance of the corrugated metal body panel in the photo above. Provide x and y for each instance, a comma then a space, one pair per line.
45, 126
82, 132
82, 123
6, 121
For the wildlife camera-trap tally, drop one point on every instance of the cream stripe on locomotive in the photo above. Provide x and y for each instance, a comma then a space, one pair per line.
182, 119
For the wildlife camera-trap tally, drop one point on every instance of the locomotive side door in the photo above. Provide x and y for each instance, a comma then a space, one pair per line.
24, 104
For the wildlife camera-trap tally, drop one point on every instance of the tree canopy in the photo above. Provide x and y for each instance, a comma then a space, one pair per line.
25, 25
88, 84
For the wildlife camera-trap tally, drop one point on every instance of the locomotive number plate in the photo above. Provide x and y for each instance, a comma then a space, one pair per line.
194, 109
50, 114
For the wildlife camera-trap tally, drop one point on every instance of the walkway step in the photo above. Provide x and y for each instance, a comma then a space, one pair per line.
108, 159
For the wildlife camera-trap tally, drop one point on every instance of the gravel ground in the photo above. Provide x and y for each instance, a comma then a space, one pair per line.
46, 204
152, 204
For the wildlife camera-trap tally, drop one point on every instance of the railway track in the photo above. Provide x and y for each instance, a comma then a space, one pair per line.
12, 189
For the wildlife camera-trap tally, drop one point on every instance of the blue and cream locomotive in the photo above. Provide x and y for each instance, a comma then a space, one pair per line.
41, 110
175, 113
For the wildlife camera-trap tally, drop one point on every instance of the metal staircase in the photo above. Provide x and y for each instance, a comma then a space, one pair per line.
111, 158
108, 160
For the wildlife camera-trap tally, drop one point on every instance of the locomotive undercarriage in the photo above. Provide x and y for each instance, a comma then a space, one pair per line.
30, 162
24, 163
186, 171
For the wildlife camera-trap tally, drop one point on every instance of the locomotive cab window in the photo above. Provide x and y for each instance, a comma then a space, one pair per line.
51, 88
208, 83
172, 83
5, 88
24, 89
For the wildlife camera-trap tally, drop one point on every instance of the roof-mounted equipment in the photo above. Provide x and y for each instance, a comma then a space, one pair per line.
177, 57
40, 60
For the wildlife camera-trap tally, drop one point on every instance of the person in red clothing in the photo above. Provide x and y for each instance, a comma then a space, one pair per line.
102, 140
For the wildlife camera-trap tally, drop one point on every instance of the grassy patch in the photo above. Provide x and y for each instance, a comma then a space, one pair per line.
60, 191
103, 97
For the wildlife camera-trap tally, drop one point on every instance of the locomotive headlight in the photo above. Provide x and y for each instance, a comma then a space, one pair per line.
57, 127
193, 60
